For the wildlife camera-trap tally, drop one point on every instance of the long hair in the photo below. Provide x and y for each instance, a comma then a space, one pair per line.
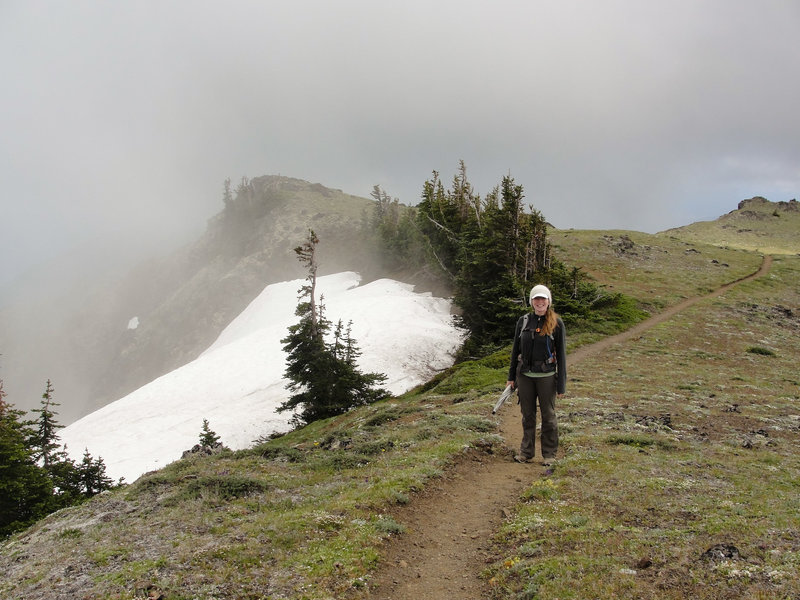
550, 321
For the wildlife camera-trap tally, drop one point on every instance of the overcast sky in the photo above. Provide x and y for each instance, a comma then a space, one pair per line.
121, 120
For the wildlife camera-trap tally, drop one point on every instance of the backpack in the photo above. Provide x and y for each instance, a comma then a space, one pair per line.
549, 340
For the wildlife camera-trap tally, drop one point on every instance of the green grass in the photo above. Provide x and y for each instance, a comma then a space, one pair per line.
658, 270
760, 350
673, 443
300, 516
688, 441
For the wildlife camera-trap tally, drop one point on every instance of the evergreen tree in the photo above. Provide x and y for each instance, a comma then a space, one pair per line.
208, 438
323, 380
65, 477
25, 489
438, 219
501, 261
395, 228
63, 473
307, 359
350, 385
51, 456
35, 477
46, 441
492, 252
92, 475
227, 195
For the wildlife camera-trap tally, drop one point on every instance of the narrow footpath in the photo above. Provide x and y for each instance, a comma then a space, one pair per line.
449, 526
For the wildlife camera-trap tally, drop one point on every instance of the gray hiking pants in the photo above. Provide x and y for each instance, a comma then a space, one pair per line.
544, 389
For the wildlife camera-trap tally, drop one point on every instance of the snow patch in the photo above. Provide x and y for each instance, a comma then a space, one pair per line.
237, 383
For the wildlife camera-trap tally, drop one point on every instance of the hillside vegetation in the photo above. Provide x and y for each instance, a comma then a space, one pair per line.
757, 224
659, 271
679, 474
680, 471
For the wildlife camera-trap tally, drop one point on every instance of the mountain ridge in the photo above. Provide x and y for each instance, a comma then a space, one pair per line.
182, 301
685, 419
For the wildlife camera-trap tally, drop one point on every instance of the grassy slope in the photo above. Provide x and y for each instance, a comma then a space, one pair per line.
757, 225
658, 270
303, 516
676, 445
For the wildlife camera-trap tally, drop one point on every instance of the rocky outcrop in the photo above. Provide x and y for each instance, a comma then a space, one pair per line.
758, 205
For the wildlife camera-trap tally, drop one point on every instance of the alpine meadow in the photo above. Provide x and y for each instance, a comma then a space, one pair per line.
678, 470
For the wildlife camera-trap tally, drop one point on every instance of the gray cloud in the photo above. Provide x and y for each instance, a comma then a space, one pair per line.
120, 121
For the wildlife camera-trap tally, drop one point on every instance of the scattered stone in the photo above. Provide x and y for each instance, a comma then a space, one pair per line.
343, 444
663, 420
203, 449
720, 552
486, 446
153, 593
784, 311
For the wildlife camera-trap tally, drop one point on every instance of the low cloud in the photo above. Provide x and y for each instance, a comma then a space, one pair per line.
121, 121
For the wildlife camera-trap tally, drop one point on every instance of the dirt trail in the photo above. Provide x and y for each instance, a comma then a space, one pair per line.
449, 526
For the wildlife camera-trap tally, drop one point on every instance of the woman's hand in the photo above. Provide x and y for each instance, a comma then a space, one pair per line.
511, 383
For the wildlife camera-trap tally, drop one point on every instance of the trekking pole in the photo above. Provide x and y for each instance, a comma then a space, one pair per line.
503, 397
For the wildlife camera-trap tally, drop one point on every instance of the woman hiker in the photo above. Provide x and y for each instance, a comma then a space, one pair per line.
539, 370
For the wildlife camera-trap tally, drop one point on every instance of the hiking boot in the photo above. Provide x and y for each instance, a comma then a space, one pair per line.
548, 462
521, 459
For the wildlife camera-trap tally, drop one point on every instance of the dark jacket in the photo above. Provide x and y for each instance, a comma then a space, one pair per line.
534, 349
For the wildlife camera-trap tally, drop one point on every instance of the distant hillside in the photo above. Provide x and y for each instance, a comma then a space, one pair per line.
757, 224
658, 270
180, 302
